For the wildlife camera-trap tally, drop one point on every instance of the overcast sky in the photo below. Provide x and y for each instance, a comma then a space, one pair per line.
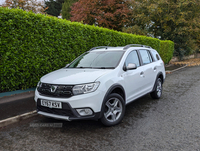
2, 1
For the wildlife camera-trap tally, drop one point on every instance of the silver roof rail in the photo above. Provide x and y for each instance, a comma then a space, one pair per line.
139, 45
99, 47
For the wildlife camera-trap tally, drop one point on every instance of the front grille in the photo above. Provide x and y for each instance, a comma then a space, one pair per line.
52, 90
65, 111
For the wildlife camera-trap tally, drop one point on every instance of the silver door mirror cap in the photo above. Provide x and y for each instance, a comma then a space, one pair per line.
131, 66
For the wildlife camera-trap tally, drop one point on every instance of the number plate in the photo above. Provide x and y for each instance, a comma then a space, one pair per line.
51, 104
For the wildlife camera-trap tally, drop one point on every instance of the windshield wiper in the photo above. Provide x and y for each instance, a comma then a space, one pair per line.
93, 67
83, 67
104, 68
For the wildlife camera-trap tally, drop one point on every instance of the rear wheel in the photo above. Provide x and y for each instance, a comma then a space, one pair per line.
113, 110
156, 94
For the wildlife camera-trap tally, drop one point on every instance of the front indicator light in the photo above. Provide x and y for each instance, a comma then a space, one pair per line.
39, 84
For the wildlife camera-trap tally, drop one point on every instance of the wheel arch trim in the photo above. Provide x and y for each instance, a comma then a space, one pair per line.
158, 75
109, 91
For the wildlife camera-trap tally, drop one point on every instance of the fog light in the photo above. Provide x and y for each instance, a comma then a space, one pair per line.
84, 112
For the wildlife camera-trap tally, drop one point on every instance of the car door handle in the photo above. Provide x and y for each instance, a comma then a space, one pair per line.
142, 74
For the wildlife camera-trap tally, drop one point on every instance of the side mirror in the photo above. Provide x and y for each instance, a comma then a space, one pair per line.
131, 66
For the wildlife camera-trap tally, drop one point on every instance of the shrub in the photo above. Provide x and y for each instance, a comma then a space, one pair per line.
32, 45
166, 50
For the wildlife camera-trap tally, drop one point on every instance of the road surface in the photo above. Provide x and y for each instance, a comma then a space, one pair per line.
171, 123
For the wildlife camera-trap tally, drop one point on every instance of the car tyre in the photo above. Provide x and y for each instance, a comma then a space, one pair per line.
113, 110
156, 94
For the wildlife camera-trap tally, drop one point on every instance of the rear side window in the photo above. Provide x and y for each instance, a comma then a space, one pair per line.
146, 56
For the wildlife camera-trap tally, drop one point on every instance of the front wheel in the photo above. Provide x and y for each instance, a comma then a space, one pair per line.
113, 110
156, 94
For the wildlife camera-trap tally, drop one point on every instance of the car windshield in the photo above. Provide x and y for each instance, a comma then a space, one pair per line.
98, 59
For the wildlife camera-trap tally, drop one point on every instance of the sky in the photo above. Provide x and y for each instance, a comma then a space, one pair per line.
2, 1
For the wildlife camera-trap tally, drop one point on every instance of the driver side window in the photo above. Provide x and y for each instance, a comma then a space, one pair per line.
132, 58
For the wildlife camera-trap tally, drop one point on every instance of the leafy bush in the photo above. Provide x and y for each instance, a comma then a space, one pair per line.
32, 45
166, 50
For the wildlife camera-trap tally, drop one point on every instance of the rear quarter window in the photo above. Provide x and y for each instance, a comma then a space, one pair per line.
155, 55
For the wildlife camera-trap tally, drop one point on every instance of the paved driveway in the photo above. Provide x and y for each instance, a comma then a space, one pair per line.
169, 124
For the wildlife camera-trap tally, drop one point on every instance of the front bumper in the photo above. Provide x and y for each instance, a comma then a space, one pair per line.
68, 112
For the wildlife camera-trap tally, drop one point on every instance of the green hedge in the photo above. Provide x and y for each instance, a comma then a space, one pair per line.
32, 45
166, 50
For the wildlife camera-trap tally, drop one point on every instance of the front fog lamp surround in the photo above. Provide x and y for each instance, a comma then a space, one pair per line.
84, 112
85, 88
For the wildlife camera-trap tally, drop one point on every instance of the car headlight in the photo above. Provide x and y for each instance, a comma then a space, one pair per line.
39, 84
85, 88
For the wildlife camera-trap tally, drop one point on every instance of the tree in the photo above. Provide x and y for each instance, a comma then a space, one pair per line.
135, 29
66, 8
28, 5
176, 20
112, 14
53, 7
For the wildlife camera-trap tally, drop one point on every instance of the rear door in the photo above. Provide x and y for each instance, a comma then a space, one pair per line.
149, 69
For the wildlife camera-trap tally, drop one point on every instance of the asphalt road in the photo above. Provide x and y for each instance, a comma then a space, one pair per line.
171, 123
16, 107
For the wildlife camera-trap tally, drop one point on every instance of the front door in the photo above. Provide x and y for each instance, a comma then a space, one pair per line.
134, 79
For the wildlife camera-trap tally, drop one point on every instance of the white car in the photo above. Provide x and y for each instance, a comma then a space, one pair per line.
100, 82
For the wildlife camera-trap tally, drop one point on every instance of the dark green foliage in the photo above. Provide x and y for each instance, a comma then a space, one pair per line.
166, 50
66, 8
53, 7
176, 20
32, 45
